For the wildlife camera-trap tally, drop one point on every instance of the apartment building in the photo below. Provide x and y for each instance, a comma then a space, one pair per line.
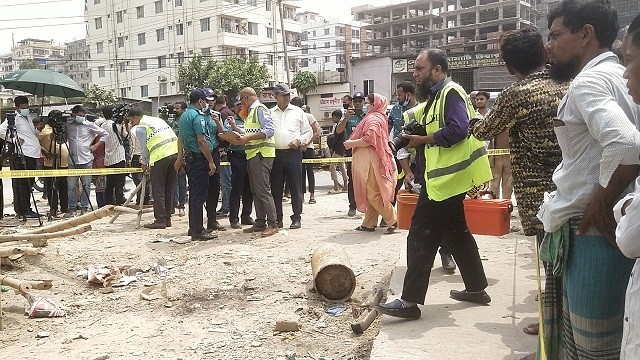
77, 63
328, 45
137, 46
467, 29
45, 52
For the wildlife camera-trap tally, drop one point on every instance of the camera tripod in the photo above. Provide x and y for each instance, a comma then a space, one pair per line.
18, 154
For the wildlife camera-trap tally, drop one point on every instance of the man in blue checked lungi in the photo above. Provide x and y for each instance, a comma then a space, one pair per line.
599, 141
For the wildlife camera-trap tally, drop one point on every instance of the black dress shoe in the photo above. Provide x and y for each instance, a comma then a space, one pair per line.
295, 224
478, 297
397, 308
447, 263
247, 221
280, 224
235, 225
204, 236
214, 225
352, 212
31, 214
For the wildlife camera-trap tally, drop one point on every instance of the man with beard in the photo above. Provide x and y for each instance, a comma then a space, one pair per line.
455, 164
599, 145
526, 110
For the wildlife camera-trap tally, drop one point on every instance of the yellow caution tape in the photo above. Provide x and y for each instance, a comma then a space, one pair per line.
326, 160
492, 152
15, 174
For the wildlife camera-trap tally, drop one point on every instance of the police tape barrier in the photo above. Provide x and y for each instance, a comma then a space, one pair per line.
492, 152
16, 174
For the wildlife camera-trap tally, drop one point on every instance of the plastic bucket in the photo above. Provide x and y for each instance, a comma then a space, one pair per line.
406, 207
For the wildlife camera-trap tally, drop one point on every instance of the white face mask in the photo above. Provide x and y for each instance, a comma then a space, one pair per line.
80, 119
406, 101
24, 112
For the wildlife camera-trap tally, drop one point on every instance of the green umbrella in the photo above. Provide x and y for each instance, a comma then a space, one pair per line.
42, 83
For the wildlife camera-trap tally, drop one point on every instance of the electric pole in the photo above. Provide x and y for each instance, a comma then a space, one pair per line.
284, 42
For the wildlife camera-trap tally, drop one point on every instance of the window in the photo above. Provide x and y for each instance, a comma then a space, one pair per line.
232, 25
101, 71
253, 53
181, 58
368, 86
178, 2
206, 51
142, 39
98, 22
120, 41
205, 24
326, 31
339, 30
268, 5
162, 61
100, 47
160, 34
305, 49
163, 89
355, 33
270, 59
144, 91
143, 64
355, 47
123, 92
252, 28
327, 59
179, 29
96, 2
270, 33
304, 63
304, 36
122, 66
339, 59
140, 12
252, 2
314, 33
119, 16
327, 45
314, 47
158, 6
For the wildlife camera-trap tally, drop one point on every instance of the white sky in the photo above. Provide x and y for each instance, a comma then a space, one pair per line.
63, 20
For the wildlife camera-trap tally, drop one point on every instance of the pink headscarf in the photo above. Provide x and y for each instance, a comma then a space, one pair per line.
374, 130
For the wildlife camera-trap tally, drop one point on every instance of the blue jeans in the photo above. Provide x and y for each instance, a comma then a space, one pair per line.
225, 186
180, 190
72, 182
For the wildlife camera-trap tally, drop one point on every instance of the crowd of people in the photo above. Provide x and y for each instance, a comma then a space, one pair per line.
570, 123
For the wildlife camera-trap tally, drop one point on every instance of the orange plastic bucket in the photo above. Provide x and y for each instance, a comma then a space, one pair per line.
406, 207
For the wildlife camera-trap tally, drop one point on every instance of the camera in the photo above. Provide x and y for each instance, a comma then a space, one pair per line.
57, 119
11, 119
412, 128
120, 113
167, 113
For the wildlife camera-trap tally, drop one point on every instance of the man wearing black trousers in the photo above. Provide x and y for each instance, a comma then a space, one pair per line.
291, 131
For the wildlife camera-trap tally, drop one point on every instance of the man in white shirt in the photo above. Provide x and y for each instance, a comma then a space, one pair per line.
29, 146
291, 131
599, 143
114, 156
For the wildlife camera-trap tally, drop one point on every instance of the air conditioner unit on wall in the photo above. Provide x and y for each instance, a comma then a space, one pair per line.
162, 78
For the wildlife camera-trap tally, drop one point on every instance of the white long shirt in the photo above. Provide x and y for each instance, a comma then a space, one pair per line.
26, 131
596, 134
113, 147
291, 124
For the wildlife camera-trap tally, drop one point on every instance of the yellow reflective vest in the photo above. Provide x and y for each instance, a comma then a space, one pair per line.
457, 169
266, 147
161, 140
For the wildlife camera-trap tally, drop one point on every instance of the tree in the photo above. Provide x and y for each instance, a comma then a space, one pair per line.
305, 82
227, 77
97, 97
30, 64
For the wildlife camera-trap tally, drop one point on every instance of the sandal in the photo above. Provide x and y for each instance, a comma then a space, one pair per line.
312, 201
392, 228
364, 228
531, 329
332, 191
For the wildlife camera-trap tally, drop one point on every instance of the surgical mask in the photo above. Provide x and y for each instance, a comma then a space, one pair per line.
365, 108
80, 119
24, 112
406, 101
205, 108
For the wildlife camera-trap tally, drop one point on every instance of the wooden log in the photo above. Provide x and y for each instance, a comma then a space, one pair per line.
333, 278
6, 252
39, 240
106, 210
126, 209
143, 190
126, 203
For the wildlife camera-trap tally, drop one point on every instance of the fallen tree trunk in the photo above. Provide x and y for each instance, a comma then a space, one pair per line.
106, 210
40, 240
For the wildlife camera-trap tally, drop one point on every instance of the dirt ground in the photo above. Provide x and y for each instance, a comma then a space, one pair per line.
222, 297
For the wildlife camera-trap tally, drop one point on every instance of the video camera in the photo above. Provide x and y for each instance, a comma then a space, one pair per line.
167, 113
120, 113
412, 128
57, 120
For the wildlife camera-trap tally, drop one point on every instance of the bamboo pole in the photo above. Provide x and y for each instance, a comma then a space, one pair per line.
39, 240
126, 209
6, 252
126, 203
80, 220
145, 177
23, 285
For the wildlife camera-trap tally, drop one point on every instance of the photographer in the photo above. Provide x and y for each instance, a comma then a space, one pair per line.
56, 156
114, 156
80, 134
29, 146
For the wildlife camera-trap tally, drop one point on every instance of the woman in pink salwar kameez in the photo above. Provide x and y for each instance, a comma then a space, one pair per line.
374, 171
